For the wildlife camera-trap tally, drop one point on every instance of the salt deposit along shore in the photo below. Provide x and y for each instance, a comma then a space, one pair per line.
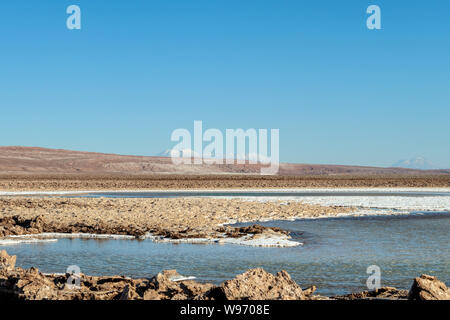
80, 191
398, 199
50, 215
195, 220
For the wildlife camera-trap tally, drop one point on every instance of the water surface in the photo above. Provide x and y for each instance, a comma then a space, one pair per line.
334, 257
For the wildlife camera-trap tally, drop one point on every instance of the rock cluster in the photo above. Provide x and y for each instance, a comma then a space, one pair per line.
254, 284
7, 262
18, 283
428, 287
18, 225
253, 229
257, 284
30, 284
381, 293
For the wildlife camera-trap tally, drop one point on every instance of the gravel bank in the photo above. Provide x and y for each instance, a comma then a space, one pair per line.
175, 218
35, 182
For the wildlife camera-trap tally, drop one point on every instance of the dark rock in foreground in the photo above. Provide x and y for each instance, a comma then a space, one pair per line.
428, 287
255, 284
381, 293
7, 262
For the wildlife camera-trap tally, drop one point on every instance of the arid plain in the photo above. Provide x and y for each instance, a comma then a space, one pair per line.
28, 172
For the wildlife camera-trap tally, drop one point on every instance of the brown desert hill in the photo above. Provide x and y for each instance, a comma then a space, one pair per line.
35, 160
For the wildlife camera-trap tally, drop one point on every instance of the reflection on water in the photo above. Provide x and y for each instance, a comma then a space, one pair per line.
334, 257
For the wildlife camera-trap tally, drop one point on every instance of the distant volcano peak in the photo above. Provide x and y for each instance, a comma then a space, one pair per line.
415, 163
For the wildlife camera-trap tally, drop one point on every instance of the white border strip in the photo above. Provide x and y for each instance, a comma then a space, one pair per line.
280, 190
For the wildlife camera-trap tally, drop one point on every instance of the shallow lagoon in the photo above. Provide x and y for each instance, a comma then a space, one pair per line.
334, 257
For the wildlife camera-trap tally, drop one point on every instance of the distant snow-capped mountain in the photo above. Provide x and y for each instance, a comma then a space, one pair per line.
191, 153
178, 153
415, 163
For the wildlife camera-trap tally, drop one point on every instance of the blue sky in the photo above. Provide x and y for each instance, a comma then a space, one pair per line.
137, 70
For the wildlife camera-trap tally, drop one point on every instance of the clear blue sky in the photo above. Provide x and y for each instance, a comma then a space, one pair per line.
137, 70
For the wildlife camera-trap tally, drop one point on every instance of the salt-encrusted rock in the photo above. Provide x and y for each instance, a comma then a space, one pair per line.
428, 287
255, 229
257, 284
380, 293
18, 225
163, 287
7, 262
129, 293
33, 285
309, 292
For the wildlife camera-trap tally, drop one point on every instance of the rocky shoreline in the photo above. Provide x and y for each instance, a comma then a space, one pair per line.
255, 284
170, 218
